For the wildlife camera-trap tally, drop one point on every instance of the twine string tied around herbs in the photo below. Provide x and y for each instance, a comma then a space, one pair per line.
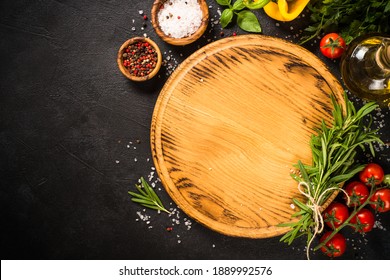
317, 210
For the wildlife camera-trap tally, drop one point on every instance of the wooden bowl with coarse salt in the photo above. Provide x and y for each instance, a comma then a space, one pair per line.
179, 22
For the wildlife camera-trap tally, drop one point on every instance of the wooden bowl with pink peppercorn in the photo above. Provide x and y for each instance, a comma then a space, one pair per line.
139, 59
179, 22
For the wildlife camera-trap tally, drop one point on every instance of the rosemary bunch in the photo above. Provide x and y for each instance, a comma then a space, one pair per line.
333, 162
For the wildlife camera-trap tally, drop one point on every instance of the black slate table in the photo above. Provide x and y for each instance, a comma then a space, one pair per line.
74, 139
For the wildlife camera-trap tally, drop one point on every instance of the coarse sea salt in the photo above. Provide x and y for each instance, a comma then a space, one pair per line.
180, 18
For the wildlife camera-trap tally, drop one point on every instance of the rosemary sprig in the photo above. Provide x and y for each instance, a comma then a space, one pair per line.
333, 161
147, 197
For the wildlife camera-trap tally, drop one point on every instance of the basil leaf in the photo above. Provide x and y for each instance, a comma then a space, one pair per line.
238, 5
224, 2
226, 17
247, 21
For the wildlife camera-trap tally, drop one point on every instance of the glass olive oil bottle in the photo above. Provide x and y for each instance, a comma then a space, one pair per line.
365, 68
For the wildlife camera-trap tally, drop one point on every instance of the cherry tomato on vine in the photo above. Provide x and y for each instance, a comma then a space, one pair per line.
332, 45
357, 192
336, 246
382, 200
335, 214
363, 221
372, 171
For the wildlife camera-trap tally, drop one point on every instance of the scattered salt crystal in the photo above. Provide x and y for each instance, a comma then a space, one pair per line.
379, 225
180, 19
117, 161
143, 217
141, 12
292, 206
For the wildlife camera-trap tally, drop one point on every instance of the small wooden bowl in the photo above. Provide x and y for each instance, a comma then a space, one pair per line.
185, 40
126, 72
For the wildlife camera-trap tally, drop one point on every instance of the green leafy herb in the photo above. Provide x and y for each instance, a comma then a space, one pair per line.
238, 5
350, 18
333, 162
147, 197
246, 19
226, 17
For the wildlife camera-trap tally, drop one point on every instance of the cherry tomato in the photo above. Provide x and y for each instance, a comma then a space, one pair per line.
372, 171
357, 192
335, 247
382, 200
335, 214
363, 221
332, 45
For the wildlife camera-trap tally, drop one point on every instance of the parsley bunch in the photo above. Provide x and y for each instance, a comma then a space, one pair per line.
350, 18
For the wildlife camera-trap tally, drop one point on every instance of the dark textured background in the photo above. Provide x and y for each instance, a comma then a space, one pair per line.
69, 125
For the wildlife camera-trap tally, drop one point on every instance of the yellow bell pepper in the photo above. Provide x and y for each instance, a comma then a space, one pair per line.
285, 10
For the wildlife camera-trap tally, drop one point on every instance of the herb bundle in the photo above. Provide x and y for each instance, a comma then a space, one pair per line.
333, 163
350, 18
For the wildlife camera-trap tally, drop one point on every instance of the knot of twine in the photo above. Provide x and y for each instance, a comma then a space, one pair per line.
317, 209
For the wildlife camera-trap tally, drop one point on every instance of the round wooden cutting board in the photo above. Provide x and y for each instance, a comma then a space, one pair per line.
230, 123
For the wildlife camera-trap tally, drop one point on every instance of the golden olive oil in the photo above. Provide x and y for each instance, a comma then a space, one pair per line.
365, 68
